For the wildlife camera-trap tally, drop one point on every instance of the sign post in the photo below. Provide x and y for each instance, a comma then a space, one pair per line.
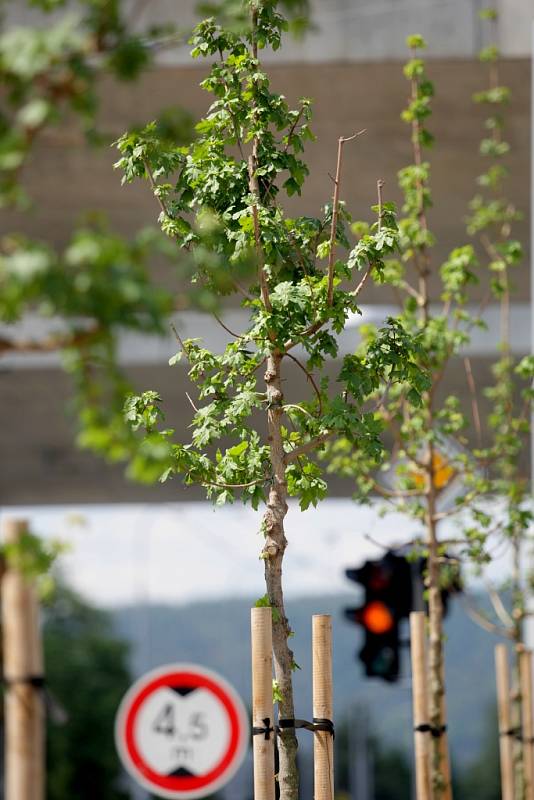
181, 731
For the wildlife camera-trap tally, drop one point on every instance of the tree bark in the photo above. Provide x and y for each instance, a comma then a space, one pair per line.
273, 554
439, 757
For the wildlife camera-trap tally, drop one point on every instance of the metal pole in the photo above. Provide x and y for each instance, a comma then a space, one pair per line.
360, 768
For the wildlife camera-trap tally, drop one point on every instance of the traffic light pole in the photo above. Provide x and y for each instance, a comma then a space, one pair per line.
360, 756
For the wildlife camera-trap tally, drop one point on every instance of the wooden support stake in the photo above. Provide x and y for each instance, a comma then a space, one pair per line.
24, 703
445, 757
420, 704
505, 722
323, 741
525, 676
261, 620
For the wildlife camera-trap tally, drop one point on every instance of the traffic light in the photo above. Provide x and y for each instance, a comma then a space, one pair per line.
391, 586
388, 599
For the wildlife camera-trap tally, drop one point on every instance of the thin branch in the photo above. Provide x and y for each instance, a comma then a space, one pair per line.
297, 408
481, 620
398, 493
232, 115
466, 502
193, 406
474, 399
268, 189
226, 328
313, 328
255, 191
438, 376
313, 444
369, 538
498, 606
409, 289
383, 397
180, 341
234, 485
311, 379
241, 290
155, 187
379, 187
335, 209
302, 261
363, 281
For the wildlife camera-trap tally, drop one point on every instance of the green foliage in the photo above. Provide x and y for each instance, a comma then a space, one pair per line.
100, 284
99, 276
87, 674
97, 287
491, 221
51, 71
490, 14
304, 300
34, 558
234, 14
430, 445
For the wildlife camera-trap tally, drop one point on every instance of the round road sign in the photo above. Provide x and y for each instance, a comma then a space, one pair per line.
181, 731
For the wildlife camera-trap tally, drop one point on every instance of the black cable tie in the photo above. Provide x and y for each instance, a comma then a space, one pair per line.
265, 731
431, 729
322, 724
53, 707
515, 732
37, 681
318, 724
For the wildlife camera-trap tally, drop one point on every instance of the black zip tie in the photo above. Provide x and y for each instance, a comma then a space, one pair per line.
265, 731
323, 724
515, 732
431, 729
318, 724
37, 681
53, 707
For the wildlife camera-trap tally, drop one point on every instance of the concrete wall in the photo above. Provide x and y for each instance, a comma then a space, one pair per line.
357, 30
66, 178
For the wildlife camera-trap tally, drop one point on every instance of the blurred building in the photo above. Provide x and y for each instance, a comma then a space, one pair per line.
350, 64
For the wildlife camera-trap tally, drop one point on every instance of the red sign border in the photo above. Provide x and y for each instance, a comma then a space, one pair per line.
190, 786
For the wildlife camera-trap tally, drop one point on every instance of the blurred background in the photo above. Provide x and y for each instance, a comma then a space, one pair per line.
154, 574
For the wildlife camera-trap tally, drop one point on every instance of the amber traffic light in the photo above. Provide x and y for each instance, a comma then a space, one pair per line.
391, 585
377, 618
388, 598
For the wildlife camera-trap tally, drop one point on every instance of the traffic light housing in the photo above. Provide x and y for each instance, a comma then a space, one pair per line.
391, 584
388, 599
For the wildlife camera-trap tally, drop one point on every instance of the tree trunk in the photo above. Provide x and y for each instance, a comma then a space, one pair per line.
517, 615
439, 757
435, 614
273, 554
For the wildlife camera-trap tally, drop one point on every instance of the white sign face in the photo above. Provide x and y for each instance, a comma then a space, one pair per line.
181, 731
